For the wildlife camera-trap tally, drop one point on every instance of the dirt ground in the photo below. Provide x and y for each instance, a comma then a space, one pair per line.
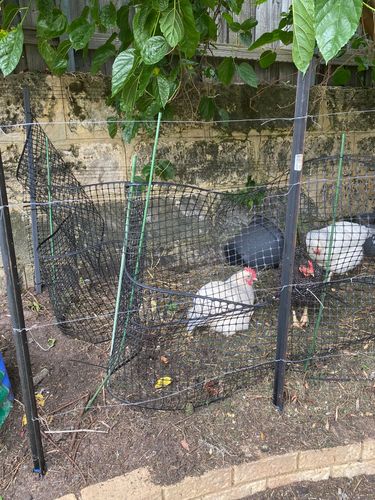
332, 404
358, 488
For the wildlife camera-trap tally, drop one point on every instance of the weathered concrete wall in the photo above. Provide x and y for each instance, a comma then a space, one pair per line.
204, 154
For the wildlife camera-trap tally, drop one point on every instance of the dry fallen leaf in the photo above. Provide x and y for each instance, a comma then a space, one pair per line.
163, 382
185, 445
24, 421
164, 360
262, 436
40, 399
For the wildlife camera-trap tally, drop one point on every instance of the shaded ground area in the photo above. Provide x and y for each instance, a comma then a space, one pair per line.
332, 404
358, 488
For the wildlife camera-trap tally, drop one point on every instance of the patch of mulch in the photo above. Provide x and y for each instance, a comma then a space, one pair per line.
330, 405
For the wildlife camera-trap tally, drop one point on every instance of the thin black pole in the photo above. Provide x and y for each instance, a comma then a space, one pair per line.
301, 107
32, 191
19, 330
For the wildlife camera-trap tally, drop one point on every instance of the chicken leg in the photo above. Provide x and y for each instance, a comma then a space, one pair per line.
303, 322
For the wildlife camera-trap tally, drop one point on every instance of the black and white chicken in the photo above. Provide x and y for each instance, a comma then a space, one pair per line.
306, 286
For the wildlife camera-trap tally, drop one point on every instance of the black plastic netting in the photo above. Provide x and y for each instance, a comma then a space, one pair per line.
199, 299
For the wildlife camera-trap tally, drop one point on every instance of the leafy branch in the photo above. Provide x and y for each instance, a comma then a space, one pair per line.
158, 45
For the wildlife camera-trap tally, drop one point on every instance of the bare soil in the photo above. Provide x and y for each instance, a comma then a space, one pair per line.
331, 404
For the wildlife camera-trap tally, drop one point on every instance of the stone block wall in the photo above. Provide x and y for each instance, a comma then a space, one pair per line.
73, 111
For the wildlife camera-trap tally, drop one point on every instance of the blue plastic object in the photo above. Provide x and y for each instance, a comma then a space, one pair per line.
6, 395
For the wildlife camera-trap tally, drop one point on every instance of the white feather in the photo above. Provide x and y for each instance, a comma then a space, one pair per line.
223, 317
347, 245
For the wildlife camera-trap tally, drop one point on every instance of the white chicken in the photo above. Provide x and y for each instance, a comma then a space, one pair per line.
347, 245
221, 315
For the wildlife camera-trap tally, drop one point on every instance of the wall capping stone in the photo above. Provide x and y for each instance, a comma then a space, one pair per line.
238, 481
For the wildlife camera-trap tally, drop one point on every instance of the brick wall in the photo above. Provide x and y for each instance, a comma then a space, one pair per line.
242, 480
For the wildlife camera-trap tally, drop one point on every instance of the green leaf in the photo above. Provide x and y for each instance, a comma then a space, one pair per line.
101, 56
144, 78
172, 27
363, 63
267, 58
191, 38
210, 3
52, 25
45, 7
125, 33
51, 342
249, 24
272, 36
122, 67
358, 41
336, 22
286, 37
304, 33
11, 46
206, 26
160, 5
129, 131
9, 14
246, 38
235, 5
129, 95
95, 11
80, 32
143, 25
226, 70
112, 126
224, 116
165, 170
154, 49
341, 76
56, 59
162, 88
206, 108
108, 15
259, 2
247, 74
233, 25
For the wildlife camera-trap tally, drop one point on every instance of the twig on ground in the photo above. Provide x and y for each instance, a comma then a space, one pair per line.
71, 460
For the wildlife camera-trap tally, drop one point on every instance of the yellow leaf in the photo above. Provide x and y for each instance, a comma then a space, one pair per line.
40, 399
154, 305
24, 421
163, 382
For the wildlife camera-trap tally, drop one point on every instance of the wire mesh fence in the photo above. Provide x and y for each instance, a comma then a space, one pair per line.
199, 298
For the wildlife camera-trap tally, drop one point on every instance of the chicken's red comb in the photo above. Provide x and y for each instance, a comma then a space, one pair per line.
251, 271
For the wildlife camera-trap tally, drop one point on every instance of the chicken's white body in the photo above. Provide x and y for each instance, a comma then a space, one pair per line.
223, 317
347, 245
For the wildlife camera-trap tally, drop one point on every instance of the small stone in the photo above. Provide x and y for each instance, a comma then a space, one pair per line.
189, 408
264, 448
40, 376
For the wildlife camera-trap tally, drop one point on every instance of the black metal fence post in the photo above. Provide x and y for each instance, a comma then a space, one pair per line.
19, 330
301, 107
32, 191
